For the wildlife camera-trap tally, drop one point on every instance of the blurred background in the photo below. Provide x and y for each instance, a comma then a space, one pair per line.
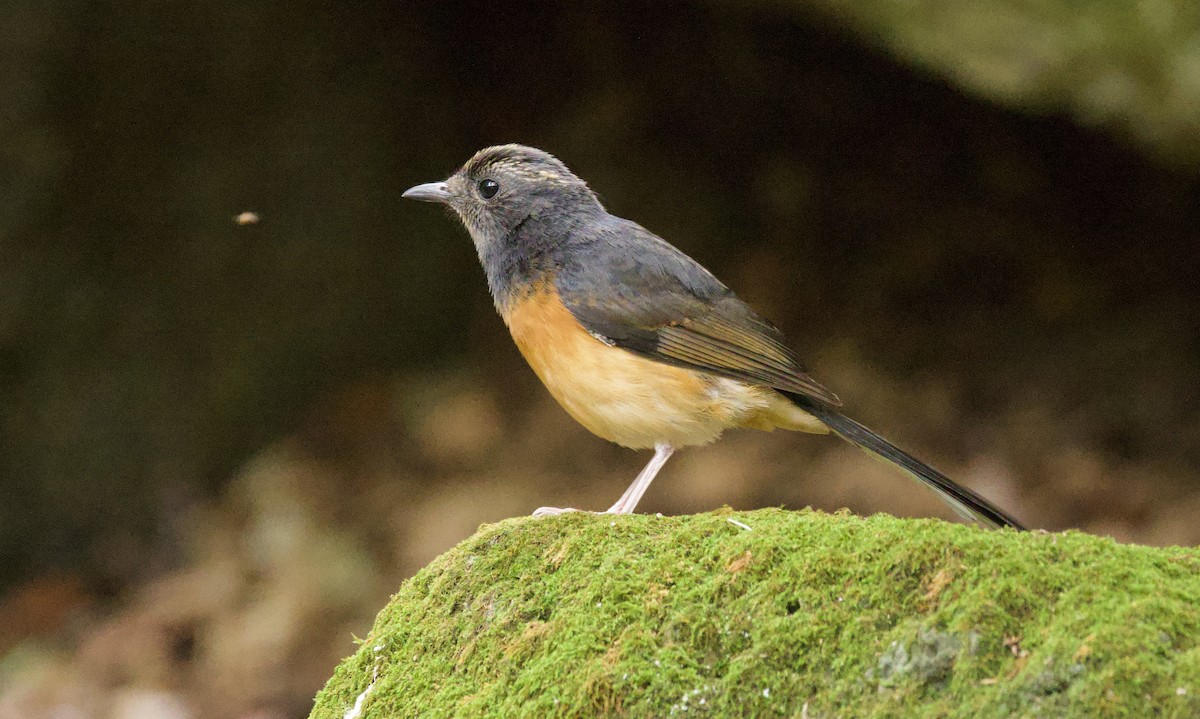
224, 442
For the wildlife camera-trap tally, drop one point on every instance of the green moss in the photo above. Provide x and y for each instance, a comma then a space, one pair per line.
642, 616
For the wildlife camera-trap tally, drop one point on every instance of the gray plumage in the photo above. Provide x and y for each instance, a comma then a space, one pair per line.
535, 224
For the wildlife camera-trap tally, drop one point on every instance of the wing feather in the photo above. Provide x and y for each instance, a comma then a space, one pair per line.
645, 296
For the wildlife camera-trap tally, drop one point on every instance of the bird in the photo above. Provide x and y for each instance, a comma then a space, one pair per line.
637, 341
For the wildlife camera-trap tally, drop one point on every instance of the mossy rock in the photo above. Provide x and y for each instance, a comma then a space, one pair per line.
776, 613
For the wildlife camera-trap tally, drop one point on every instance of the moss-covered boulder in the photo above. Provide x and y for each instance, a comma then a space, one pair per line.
774, 613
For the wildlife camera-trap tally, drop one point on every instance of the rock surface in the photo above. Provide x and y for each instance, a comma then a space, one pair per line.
775, 613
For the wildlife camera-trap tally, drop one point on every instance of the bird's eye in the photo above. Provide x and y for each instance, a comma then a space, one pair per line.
488, 189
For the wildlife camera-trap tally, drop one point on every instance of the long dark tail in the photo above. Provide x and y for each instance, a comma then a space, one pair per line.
965, 502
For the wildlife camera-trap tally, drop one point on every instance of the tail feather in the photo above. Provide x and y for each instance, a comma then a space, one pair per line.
966, 503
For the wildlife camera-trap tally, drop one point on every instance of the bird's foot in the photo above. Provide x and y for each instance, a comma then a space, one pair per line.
553, 511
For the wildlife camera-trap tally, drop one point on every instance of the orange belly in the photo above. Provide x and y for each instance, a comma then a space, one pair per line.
634, 401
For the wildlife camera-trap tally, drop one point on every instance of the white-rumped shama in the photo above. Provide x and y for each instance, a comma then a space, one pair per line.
636, 340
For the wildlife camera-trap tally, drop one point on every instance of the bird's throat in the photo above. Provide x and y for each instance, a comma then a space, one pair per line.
517, 264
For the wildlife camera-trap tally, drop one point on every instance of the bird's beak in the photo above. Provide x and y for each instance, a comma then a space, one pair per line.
429, 192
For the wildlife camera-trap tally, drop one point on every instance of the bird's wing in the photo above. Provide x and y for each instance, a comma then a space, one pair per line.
635, 291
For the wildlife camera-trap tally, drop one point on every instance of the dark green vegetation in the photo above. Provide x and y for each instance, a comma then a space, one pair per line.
1127, 66
645, 616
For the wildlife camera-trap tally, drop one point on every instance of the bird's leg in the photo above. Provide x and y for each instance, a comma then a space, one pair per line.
628, 501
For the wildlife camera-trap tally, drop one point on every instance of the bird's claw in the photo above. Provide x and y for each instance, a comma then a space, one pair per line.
552, 511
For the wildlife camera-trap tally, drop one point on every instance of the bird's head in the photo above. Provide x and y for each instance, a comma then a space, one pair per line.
502, 187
